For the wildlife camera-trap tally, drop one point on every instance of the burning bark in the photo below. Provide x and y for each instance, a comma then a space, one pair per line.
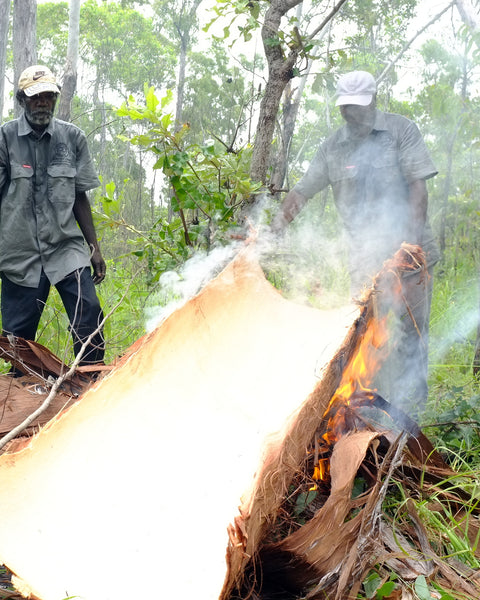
302, 532
144, 472
146, 469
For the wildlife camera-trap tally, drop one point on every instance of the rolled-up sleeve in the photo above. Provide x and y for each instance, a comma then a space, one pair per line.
414, 157
86, 177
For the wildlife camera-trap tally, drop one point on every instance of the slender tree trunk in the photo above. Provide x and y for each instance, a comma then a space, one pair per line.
24, 38
70, 72
185, 22
280, 71
468, 14
4, 24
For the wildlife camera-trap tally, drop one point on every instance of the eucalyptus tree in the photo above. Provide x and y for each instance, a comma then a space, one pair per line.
71, 62
181, 19
24, 36
52, 34
329, 36
4, 27
123, 49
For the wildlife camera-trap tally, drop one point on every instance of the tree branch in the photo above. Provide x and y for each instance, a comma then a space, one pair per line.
383, 74
58, 382
328, 18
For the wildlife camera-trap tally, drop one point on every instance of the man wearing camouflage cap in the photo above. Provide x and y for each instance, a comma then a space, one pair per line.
47, 236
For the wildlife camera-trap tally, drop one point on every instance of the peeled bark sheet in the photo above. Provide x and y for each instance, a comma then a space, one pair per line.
130, 491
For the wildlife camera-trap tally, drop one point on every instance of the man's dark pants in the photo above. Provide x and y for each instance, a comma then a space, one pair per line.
22, 308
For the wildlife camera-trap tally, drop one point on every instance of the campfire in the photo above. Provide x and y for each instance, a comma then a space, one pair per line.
146, 467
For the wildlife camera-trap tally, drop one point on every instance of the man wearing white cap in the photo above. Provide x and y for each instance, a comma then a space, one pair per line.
377, 165
47, 236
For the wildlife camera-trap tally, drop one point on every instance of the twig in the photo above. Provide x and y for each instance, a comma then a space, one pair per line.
328, 18
58, 382
410, 42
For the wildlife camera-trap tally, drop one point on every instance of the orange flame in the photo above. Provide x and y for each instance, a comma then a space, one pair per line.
365, 364
355, 387
357, 376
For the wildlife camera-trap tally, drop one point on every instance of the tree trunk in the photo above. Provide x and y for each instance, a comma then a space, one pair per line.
280, 72
468, 14
70, 73
83, 465
4, 24
24, 38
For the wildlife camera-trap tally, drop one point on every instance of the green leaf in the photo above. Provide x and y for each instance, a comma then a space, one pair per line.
151, 100
370, 585
421, 588
385, 590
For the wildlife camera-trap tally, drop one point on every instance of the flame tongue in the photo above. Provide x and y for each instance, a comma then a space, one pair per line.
355, 386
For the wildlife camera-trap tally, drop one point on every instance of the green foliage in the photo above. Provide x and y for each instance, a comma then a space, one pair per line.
52, 33
124, 47
206, 186
218, 100
250, 13
376, 587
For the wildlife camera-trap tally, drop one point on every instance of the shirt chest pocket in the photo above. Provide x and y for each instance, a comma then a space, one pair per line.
20, 172
61, 183
387, 158
20, 187
340, 168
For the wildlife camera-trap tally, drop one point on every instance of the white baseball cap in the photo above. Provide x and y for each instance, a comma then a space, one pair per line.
357, 87
37, 79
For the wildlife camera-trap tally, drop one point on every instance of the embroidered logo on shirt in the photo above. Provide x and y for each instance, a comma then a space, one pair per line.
61, 154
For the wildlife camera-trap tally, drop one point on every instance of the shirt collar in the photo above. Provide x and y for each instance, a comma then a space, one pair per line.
24, 127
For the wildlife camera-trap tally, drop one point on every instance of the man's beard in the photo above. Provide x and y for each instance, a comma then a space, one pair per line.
40, 118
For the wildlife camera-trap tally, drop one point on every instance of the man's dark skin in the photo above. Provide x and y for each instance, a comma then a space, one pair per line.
39, 111
360, 120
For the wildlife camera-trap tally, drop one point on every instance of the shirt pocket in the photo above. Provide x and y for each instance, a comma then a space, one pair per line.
18, 171
20, 187
386, 159
61, 183
340, 168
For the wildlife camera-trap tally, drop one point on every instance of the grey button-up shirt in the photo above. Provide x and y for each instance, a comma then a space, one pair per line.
370, 179
39, 177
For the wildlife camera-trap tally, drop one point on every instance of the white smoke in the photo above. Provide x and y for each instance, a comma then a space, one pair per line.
176, 288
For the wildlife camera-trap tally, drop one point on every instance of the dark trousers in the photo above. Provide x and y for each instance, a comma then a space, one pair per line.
22, 308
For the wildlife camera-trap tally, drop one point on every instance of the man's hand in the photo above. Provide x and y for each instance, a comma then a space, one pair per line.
83, 215
99, 266
291, 206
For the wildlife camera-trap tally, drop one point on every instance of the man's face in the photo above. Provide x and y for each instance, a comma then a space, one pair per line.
359, 118
39, 109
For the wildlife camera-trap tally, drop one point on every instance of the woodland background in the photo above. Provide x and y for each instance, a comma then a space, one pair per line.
201, 114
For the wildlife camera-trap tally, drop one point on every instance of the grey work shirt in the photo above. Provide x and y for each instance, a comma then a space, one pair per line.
39, 177
370, 179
